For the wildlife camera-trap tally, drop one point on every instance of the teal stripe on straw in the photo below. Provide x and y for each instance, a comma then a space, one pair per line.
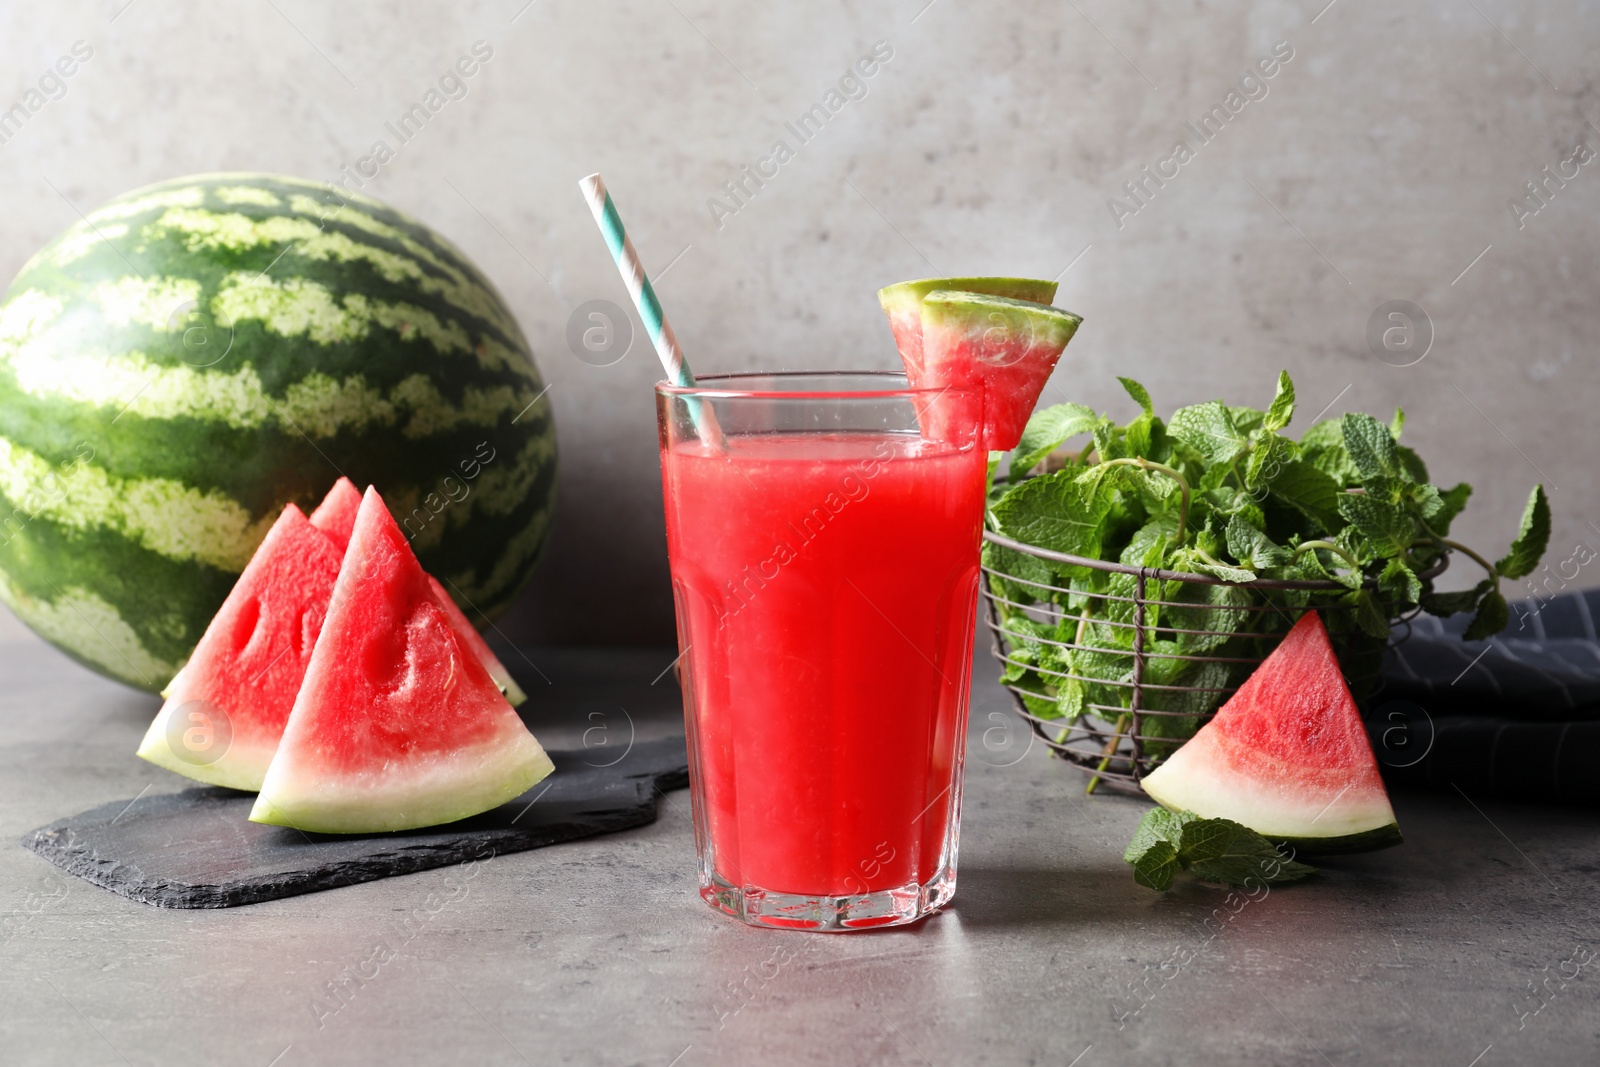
643, 295
649, 306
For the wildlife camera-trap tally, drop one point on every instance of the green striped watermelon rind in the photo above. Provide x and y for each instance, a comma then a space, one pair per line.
139, 467
1364, 841
906, 297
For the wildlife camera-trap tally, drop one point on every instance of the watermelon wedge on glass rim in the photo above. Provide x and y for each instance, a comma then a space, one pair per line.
902, 303
997, 348
1287, 756
225, 710
397, 724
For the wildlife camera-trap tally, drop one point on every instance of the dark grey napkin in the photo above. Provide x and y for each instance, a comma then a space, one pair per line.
1544, 666
1515, 717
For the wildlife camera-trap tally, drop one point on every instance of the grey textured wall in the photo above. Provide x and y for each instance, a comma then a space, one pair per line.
1376, 164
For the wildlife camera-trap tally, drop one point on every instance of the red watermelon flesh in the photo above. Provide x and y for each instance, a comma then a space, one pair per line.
397, 725
336, 515
1287, 756
225, 710
902, 303
474, 641
997, 352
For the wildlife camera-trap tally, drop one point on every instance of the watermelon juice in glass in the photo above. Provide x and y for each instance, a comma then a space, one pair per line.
824, 556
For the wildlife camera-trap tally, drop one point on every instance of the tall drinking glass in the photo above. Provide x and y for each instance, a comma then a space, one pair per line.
824, 544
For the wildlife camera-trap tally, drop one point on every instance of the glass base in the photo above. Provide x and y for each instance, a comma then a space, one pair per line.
800, 911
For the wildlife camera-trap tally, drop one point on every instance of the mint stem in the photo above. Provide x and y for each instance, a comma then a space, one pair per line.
1107, 752
1494, 572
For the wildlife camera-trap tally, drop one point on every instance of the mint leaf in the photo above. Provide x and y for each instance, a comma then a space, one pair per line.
1216, 609
1324, 435
1253, 548
1399, 582
1370, 617
1455, 499
1533, 535
1323, 447
1140, 394
1046, 431
1070, 693
1209, 430
1412, 463
1246, 419
1492, 617
1154, 864
1311, 567
1030, 574
1309, 491
1221, 850
1142, 436
1057, 512
1397, 424
1203, 680
1371, 447
1267, 457
1158, 825
1451, 603
1429, 501
1213, 850
1018, 663
1386, 490
1282, 407
1387, 526
1105, 441
1153, 852
1228, 501
1154, 867
1223, 571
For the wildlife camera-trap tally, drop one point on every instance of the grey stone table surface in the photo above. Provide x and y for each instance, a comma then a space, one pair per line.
599, 951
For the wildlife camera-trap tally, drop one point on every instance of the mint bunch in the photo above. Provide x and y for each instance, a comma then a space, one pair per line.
1213, 850
1223, 491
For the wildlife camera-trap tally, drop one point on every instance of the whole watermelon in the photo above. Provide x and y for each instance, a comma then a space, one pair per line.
190, 357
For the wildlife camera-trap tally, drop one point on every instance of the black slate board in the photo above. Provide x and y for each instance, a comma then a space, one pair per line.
197, 849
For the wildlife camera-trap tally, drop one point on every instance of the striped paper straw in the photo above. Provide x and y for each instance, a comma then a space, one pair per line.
644, 298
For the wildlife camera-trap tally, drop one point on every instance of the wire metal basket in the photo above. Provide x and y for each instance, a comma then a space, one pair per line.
1119, 743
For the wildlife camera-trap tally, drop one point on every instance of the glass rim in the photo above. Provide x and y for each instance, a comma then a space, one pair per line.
708, 386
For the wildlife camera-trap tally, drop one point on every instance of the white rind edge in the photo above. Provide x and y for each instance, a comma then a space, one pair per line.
240, 767
453, 785
1197, 778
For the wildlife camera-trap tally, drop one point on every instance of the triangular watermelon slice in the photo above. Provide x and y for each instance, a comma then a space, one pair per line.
226, 708
1287, 756
903, 304
397, 725
336, 515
